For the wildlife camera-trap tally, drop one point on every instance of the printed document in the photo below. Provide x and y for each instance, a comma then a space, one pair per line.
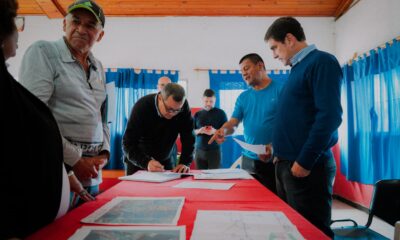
237, 225
129, 233
138, 211
257, 149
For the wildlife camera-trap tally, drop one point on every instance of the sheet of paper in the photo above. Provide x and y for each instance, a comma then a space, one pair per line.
138, 211
145, 176
237, 225
257, 149
205, 185
222, 170
129, 233
238, 174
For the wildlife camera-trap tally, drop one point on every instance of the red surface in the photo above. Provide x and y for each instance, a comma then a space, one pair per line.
108, 183
244, 195
352, 191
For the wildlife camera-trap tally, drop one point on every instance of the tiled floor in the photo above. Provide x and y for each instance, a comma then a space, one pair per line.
341, 210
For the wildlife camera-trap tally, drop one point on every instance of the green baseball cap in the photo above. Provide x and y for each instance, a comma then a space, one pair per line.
91, 6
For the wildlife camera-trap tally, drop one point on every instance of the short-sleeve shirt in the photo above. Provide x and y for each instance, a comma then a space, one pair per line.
257, 110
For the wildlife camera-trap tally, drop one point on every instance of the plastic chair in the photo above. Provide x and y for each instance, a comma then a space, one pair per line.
385, 204
237, 163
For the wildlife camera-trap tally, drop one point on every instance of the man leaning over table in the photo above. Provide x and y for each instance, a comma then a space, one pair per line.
152, 129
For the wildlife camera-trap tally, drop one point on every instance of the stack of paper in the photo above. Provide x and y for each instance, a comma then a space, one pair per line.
204, 185
145, 176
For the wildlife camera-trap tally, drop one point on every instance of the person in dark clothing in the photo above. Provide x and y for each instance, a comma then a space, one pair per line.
206, 122
309, 114
152, 129
32, 180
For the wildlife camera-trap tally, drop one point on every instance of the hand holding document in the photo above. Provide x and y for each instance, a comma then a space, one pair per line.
259, 149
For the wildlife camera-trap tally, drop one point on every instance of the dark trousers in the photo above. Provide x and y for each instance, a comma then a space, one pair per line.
311, 196
207, 159
263, 172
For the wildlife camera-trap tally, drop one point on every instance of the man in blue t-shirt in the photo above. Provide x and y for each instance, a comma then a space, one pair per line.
309, 113
206, 121
256, 108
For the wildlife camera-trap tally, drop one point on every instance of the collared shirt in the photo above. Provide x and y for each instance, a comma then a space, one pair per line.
78, 102
301, 54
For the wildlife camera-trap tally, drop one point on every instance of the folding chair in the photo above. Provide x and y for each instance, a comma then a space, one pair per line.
385, 204
237, 163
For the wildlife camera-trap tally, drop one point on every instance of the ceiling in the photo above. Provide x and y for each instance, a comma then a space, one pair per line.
153, 8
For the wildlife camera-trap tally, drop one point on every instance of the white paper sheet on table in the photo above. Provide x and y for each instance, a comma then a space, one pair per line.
222, 170
205, 185
129, 233
257, 149
145, 176
235, 225
235, 174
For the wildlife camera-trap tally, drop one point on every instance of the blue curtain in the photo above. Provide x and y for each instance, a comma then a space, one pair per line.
227, 86
130, 85
370, 133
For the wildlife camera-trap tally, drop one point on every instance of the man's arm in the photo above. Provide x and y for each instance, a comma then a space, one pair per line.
326, 84
37, 72
227, 129
134, 131
187, 136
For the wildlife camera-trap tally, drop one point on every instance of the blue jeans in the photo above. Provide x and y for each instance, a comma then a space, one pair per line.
311, 196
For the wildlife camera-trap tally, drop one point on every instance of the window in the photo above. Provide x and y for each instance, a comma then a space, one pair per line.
227, 103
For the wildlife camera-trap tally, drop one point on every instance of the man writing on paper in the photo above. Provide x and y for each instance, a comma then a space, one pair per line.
256, 108
152, 129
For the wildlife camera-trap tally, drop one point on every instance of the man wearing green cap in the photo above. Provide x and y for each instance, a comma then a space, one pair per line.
71, 81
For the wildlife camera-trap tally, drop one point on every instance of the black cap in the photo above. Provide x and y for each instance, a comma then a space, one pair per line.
91, 6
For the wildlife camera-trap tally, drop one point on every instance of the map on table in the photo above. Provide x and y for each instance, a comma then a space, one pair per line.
138, 211
129, 233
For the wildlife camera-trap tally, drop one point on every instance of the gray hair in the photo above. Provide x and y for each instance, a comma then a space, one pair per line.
175, 90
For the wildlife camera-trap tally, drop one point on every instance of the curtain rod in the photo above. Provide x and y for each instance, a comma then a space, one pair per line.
234, 70
142, 69
382, 46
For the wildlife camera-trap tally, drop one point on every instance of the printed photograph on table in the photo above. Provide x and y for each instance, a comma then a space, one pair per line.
129, 233
138, 211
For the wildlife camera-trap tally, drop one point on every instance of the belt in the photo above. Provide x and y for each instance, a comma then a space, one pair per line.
278, 159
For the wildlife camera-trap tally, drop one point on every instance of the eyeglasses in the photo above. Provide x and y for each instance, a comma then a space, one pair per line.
169, 109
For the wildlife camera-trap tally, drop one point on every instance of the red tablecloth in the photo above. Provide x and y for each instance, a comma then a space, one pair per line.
244, 195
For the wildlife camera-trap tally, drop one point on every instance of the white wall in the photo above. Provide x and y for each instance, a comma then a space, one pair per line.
180, 43
367, 25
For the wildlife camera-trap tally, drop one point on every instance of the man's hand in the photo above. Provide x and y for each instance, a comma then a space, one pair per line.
99, 161
209, 130
155, 166
181, 169
219, 136
268, 154
199, 131
85, 168
299, 171
77, 188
